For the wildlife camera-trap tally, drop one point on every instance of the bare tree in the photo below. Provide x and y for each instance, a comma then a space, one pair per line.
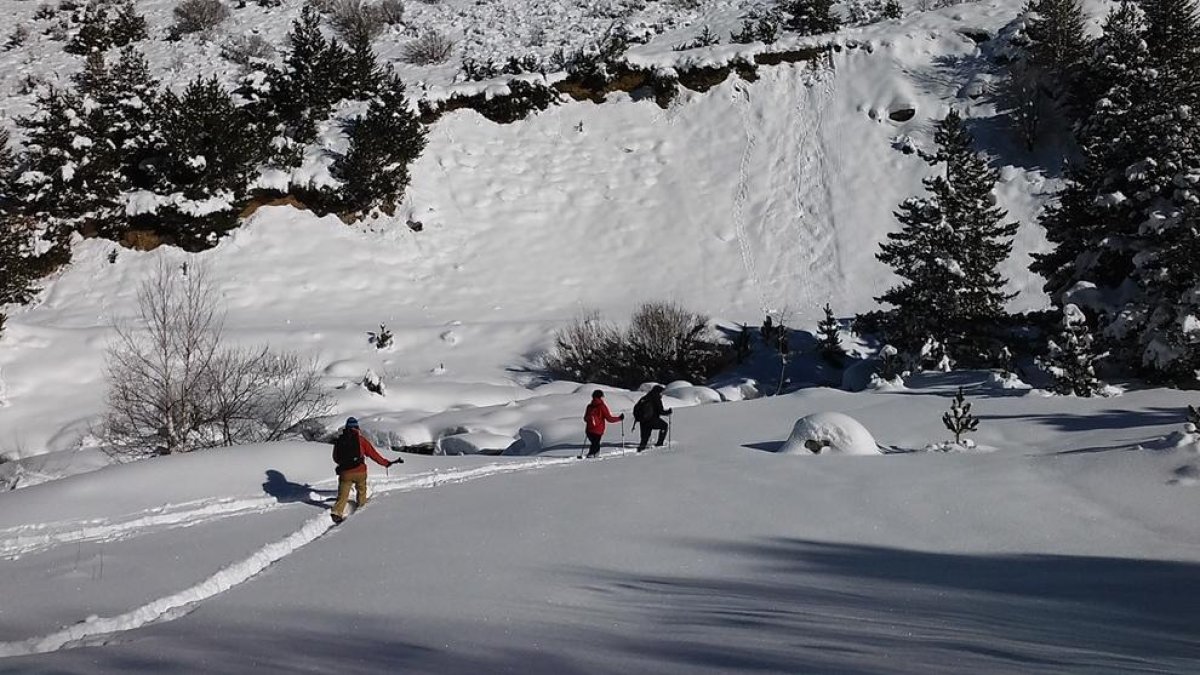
173, 386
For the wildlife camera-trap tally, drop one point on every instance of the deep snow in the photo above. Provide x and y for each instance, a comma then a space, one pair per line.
1064, 541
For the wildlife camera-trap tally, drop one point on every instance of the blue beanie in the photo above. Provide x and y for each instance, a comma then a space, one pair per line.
351, 423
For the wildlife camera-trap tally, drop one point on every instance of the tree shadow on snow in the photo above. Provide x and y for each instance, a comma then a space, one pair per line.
803, 606
765, 446
286, 492
1112, 419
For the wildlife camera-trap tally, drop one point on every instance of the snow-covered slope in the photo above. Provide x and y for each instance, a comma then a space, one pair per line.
1066, 548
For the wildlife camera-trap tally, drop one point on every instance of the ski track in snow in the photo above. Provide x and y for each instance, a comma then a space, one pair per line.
101, 630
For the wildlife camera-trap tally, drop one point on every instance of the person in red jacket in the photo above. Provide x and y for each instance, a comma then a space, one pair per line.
595, 416
349, 451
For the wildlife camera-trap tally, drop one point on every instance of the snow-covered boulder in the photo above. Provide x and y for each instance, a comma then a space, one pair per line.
477, 443
688, 394
829, 433
740, 391
548, 435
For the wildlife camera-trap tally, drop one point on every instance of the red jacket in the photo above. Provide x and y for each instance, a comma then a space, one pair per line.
596, 415
368, 450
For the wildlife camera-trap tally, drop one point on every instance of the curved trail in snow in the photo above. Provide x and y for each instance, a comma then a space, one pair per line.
99, 630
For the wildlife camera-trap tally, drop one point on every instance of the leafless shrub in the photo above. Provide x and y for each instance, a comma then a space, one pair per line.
430, 48
663, 342
17, 37
391, 11
195, 16
174, 387
355, 20
246, 49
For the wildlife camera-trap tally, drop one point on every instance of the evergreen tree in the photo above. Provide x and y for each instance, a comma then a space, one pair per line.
830, 343
126, 26
313, 77
59, 182
1071, 357
1057, 37
93, 31
947, 252
959, 419
383, 143
363, 77
809, 17
210, 148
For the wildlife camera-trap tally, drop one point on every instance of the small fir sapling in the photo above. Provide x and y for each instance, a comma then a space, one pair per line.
959, 419
1071, 356
381, 339
742, 343
830, 344
891, 366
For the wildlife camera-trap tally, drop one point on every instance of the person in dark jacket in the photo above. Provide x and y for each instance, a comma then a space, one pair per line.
595, 416
652, 416
352, 468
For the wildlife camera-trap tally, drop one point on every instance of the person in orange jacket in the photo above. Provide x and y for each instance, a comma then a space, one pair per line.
349, 451
595, 416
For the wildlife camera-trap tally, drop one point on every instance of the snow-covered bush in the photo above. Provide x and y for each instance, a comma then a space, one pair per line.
522, 100
432, 47
864, 12
195, 16
381, 339
763, 29
175, 387
706, 38
829, 433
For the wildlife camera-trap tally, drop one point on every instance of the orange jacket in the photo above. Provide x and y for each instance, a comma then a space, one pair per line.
596, 415
368, 450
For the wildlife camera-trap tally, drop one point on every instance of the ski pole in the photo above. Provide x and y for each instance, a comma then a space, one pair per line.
622, 434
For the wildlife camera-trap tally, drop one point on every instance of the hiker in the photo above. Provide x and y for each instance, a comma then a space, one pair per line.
348, 452
595, 416
649, 414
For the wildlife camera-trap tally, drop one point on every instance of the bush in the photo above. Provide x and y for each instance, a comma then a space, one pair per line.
194, 16
356, 20
391, 12
663, 342
175, 387
246, 49
523, 99
429, 49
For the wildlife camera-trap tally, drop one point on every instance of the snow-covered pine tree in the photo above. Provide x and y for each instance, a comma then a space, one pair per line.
1057, 37
92, 35
126, 26
57, 180
1071, 356
809, 17
1092, 223
948, 251
311, 79
363, 76
383, 143
959, 419
830, 341
210, 150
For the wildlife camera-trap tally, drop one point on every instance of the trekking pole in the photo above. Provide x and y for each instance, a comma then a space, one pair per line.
622, 435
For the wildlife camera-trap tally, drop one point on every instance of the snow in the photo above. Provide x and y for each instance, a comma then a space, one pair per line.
829, 432
1067, 546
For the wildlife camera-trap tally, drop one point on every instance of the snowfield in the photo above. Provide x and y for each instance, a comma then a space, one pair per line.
1064, 540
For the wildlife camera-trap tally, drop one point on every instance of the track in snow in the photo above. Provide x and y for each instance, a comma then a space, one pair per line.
100, 630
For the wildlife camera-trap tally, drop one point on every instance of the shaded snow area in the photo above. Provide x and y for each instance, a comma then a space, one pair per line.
1060, 537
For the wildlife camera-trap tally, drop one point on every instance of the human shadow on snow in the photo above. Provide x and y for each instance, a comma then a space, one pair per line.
287, 492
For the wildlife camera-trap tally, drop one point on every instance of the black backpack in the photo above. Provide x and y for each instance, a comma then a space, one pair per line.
642, 411
346, 452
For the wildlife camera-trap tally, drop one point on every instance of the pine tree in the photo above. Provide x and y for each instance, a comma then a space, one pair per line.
959, 419
948, 250
363, 76
1057, 36
210, 148
830, 344
126, 26
383, 143
59, 182
93, 35
313, 77
809, 17
1071, 357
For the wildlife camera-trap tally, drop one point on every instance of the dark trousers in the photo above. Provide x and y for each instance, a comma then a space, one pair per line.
594, 442
648, 428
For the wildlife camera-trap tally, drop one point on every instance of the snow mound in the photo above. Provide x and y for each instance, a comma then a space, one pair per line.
477, 443
688, 394
829, 433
